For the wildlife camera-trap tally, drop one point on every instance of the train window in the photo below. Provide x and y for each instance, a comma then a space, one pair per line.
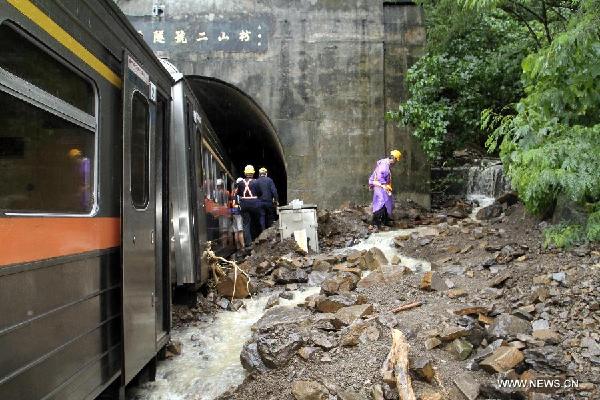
140, 143
21, 57
45, 161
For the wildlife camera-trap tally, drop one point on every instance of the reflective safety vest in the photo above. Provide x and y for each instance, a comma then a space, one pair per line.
247, 191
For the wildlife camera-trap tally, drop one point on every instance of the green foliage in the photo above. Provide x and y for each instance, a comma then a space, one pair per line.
563, 236
551, 145
593, 227
472, 63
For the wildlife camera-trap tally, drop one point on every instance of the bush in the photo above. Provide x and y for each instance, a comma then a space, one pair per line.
564, 236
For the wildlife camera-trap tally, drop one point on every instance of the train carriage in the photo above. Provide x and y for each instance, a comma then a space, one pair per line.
84, 249
200, 207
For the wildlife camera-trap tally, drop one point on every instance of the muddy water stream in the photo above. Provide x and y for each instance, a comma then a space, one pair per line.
210, 360
210, 363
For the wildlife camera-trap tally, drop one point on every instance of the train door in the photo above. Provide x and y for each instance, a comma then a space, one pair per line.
139, 210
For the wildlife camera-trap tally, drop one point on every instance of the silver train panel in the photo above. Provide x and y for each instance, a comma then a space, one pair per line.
179, 182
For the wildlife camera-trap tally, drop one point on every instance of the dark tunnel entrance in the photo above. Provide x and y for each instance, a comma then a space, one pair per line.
244, 129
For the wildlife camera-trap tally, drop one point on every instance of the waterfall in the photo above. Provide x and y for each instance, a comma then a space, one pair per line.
487, 179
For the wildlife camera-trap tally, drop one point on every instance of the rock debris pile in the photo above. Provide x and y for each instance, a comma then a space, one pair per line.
497, 314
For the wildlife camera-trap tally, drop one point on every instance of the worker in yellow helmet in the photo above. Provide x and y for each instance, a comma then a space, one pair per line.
269, 199
249, 193
380, 182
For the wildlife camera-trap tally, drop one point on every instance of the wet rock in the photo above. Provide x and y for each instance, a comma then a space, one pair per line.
321, 266
306, 352
226, 286
344, 268
235, 305
453, 332
354, 257
250, 358
347, 315
272, 301
489, 212
500, 279
375, 278
324, 321
508, 198
223, 303
509, 253
316, 278
275, 351
467, 386
432, 281
339, 282
174, 347
461, 349
284, 275
333, 303
423, 369
286, 295
502, 359
280, 315
507, 326
323, 341
546, 359
372, 259
309, 390
432, 343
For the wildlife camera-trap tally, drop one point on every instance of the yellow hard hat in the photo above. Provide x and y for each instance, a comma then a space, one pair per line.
396, 154
263, 170
249, 169
74, 153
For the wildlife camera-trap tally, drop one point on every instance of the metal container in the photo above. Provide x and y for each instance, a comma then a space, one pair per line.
300, 217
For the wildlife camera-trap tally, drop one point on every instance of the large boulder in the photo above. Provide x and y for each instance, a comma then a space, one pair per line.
275, 350
339, 282
489, 212
373, 259
250, 358
239, 290
280, 315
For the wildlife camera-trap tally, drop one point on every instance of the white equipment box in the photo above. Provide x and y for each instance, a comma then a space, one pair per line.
300, 217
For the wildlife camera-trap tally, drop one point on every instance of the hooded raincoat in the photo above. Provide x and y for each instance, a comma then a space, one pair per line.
383, 175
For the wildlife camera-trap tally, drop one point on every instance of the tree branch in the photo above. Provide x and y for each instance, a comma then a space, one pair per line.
524, 21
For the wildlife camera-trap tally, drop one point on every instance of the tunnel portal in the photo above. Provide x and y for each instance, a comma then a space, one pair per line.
244, 129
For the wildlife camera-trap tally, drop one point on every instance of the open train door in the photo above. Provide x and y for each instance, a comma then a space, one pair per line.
138, 218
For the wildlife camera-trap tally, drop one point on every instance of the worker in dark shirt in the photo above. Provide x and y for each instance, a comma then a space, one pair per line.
252, 213
269, 199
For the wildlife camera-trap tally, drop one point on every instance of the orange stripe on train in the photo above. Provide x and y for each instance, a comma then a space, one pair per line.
31, 239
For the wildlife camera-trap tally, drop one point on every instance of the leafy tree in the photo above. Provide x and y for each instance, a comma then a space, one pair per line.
472, 63
551, 146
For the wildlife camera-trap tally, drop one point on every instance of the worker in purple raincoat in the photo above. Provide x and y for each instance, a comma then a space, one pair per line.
381, 184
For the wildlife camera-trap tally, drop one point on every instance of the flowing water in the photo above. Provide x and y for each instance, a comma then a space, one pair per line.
210, 360
487, 180
385, 242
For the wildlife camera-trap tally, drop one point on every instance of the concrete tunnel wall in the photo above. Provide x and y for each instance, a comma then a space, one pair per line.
246, 132
324, 71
